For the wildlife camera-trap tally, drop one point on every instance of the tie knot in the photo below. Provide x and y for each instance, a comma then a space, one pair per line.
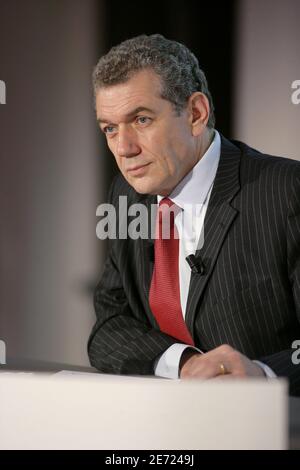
166, 201
166, 216
166, 207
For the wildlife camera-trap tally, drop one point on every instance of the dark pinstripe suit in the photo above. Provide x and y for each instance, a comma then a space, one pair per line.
249, 296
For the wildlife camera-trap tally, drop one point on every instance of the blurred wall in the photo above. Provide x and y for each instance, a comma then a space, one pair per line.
268, 61
50, 178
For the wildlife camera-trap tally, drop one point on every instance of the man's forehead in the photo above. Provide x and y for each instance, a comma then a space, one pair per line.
140, 92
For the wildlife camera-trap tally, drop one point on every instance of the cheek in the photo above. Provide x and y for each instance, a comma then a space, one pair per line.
170, 154
160, 148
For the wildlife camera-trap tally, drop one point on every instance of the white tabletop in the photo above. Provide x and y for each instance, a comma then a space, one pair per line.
81, 410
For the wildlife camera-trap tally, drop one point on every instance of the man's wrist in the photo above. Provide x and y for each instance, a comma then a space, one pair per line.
269, 373
186, 355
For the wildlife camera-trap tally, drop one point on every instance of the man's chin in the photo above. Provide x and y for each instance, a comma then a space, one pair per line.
142, 189
142, 186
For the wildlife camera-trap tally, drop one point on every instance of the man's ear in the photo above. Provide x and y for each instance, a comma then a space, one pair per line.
199, 112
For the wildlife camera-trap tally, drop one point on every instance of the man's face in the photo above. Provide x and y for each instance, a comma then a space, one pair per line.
153, 147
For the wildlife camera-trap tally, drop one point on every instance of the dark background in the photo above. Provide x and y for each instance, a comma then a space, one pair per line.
208, 29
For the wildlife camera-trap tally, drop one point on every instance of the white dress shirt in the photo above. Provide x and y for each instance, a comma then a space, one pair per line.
192, 196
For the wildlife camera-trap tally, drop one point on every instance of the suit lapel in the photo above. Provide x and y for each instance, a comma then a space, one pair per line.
219, 217
146, 246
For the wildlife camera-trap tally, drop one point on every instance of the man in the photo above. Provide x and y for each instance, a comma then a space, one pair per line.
221, 297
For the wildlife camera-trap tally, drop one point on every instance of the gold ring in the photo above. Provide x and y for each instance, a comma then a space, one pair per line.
222, 369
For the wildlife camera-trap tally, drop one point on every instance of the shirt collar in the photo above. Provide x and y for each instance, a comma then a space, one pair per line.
194, 187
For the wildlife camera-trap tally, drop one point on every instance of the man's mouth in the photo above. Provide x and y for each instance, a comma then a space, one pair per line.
138, 169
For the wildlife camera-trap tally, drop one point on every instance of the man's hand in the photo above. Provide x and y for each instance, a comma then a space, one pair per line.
223, 361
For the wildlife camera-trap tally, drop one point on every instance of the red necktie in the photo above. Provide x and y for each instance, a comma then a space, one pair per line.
164, 296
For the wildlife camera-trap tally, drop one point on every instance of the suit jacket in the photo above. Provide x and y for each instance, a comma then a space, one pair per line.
249, 294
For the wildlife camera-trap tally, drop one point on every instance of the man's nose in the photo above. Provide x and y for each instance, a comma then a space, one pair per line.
127, 145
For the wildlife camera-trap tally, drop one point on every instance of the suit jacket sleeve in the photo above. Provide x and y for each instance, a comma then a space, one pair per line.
281, 362
122, 341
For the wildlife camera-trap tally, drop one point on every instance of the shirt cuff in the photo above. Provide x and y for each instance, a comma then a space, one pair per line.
270, 374
168, 363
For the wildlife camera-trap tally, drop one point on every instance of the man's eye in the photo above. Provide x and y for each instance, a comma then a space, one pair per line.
109, 129
143, 120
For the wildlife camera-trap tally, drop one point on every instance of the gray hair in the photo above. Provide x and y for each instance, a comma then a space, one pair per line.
174, 63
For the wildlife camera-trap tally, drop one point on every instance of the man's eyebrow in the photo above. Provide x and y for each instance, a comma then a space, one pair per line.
127, 116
